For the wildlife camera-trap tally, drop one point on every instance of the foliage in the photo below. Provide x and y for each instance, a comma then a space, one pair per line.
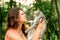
46, 7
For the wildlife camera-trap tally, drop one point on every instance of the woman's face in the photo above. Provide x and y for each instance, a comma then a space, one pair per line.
22, 16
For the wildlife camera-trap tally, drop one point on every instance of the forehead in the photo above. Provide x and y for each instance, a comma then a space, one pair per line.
21, 12
36, 12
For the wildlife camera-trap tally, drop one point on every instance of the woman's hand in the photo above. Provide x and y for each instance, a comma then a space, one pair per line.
40, 25
38, 30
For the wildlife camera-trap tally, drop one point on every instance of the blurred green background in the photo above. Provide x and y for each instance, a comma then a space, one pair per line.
51, 9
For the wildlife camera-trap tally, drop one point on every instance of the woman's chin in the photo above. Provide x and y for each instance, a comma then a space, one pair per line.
24, 21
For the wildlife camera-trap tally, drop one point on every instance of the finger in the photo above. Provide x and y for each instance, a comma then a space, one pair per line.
43, 21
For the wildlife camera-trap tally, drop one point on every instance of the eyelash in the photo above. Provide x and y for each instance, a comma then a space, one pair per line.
22, 14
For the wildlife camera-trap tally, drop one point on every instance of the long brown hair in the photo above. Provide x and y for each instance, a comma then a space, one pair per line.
12, 19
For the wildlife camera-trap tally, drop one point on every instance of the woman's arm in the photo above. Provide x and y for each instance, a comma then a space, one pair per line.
37, 33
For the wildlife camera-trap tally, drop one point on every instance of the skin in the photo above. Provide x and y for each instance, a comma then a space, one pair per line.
19, 35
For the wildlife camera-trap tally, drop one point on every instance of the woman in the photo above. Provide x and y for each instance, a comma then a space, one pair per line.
16, 21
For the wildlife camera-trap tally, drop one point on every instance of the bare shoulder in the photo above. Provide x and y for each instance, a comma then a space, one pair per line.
13, 35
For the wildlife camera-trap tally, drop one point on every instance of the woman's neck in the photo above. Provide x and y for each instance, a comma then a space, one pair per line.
19, 28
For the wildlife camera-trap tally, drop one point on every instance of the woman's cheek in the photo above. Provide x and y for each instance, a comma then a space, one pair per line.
23, 19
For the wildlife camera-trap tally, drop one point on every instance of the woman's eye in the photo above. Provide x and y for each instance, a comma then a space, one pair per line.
22, 14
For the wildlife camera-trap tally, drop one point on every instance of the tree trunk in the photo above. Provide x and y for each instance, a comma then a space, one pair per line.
49, 21
0, 24
12, 4
58, 17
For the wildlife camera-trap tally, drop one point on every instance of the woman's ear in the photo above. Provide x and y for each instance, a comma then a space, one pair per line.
17, 19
